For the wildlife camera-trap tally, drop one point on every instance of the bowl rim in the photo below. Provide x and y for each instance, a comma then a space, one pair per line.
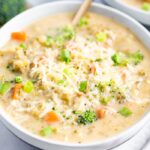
10, 123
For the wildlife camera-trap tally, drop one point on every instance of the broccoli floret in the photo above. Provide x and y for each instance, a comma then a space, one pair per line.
136, 57
101, 37
105, 100
83, 86
9, 9
68, 32
87, 117
65, 56
122, 59
146, 6
83, 22
119, 59
116, 59
102, 87
126, 112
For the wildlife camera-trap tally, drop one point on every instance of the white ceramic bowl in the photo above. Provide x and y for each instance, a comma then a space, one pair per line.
33, 14
140, 15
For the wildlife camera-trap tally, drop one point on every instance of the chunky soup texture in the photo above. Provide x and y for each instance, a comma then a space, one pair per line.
75, 84
141, 4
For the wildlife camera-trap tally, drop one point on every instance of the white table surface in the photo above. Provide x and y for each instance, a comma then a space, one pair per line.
8, 141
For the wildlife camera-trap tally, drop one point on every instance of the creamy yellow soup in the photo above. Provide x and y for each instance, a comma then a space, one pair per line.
75, 84
141, 4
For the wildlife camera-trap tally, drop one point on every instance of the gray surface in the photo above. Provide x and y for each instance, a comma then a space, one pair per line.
10, 142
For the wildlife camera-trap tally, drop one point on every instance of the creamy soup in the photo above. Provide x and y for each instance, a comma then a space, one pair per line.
141, 4
75, 84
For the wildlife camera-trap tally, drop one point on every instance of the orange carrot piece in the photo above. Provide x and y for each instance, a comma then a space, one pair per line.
93, 69
51, 117
101, 113
123, 76
15, 91
20, 36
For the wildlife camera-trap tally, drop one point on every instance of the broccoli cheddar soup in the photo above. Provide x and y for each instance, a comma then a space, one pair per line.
75, 84
141, 4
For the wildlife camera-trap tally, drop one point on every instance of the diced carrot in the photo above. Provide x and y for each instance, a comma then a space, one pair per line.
79, 94
41, 58
16, 90
101, 113
93, 69
123, 76
51, 117
32, 65
20, 36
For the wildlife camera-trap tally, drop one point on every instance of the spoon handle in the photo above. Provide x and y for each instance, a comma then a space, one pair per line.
83, 8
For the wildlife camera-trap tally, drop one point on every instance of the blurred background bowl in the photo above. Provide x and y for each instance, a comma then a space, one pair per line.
140, 15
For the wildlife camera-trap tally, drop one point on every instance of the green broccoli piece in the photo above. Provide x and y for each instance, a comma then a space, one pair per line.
105, 101
23, 46
101, 37
68, 32
116, 59
102, 87
9, 9
119, 59
49, 41
87, 117
4, 88
18, 79
83, 86
126, 112
83, 22
46, 131
65, 56
122, 59
136, 57
146, 6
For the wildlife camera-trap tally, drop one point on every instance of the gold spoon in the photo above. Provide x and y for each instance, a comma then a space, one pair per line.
82, 10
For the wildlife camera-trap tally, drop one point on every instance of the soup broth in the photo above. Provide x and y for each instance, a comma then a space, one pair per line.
75, 84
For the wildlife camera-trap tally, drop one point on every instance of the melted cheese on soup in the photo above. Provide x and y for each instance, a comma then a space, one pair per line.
75, 84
